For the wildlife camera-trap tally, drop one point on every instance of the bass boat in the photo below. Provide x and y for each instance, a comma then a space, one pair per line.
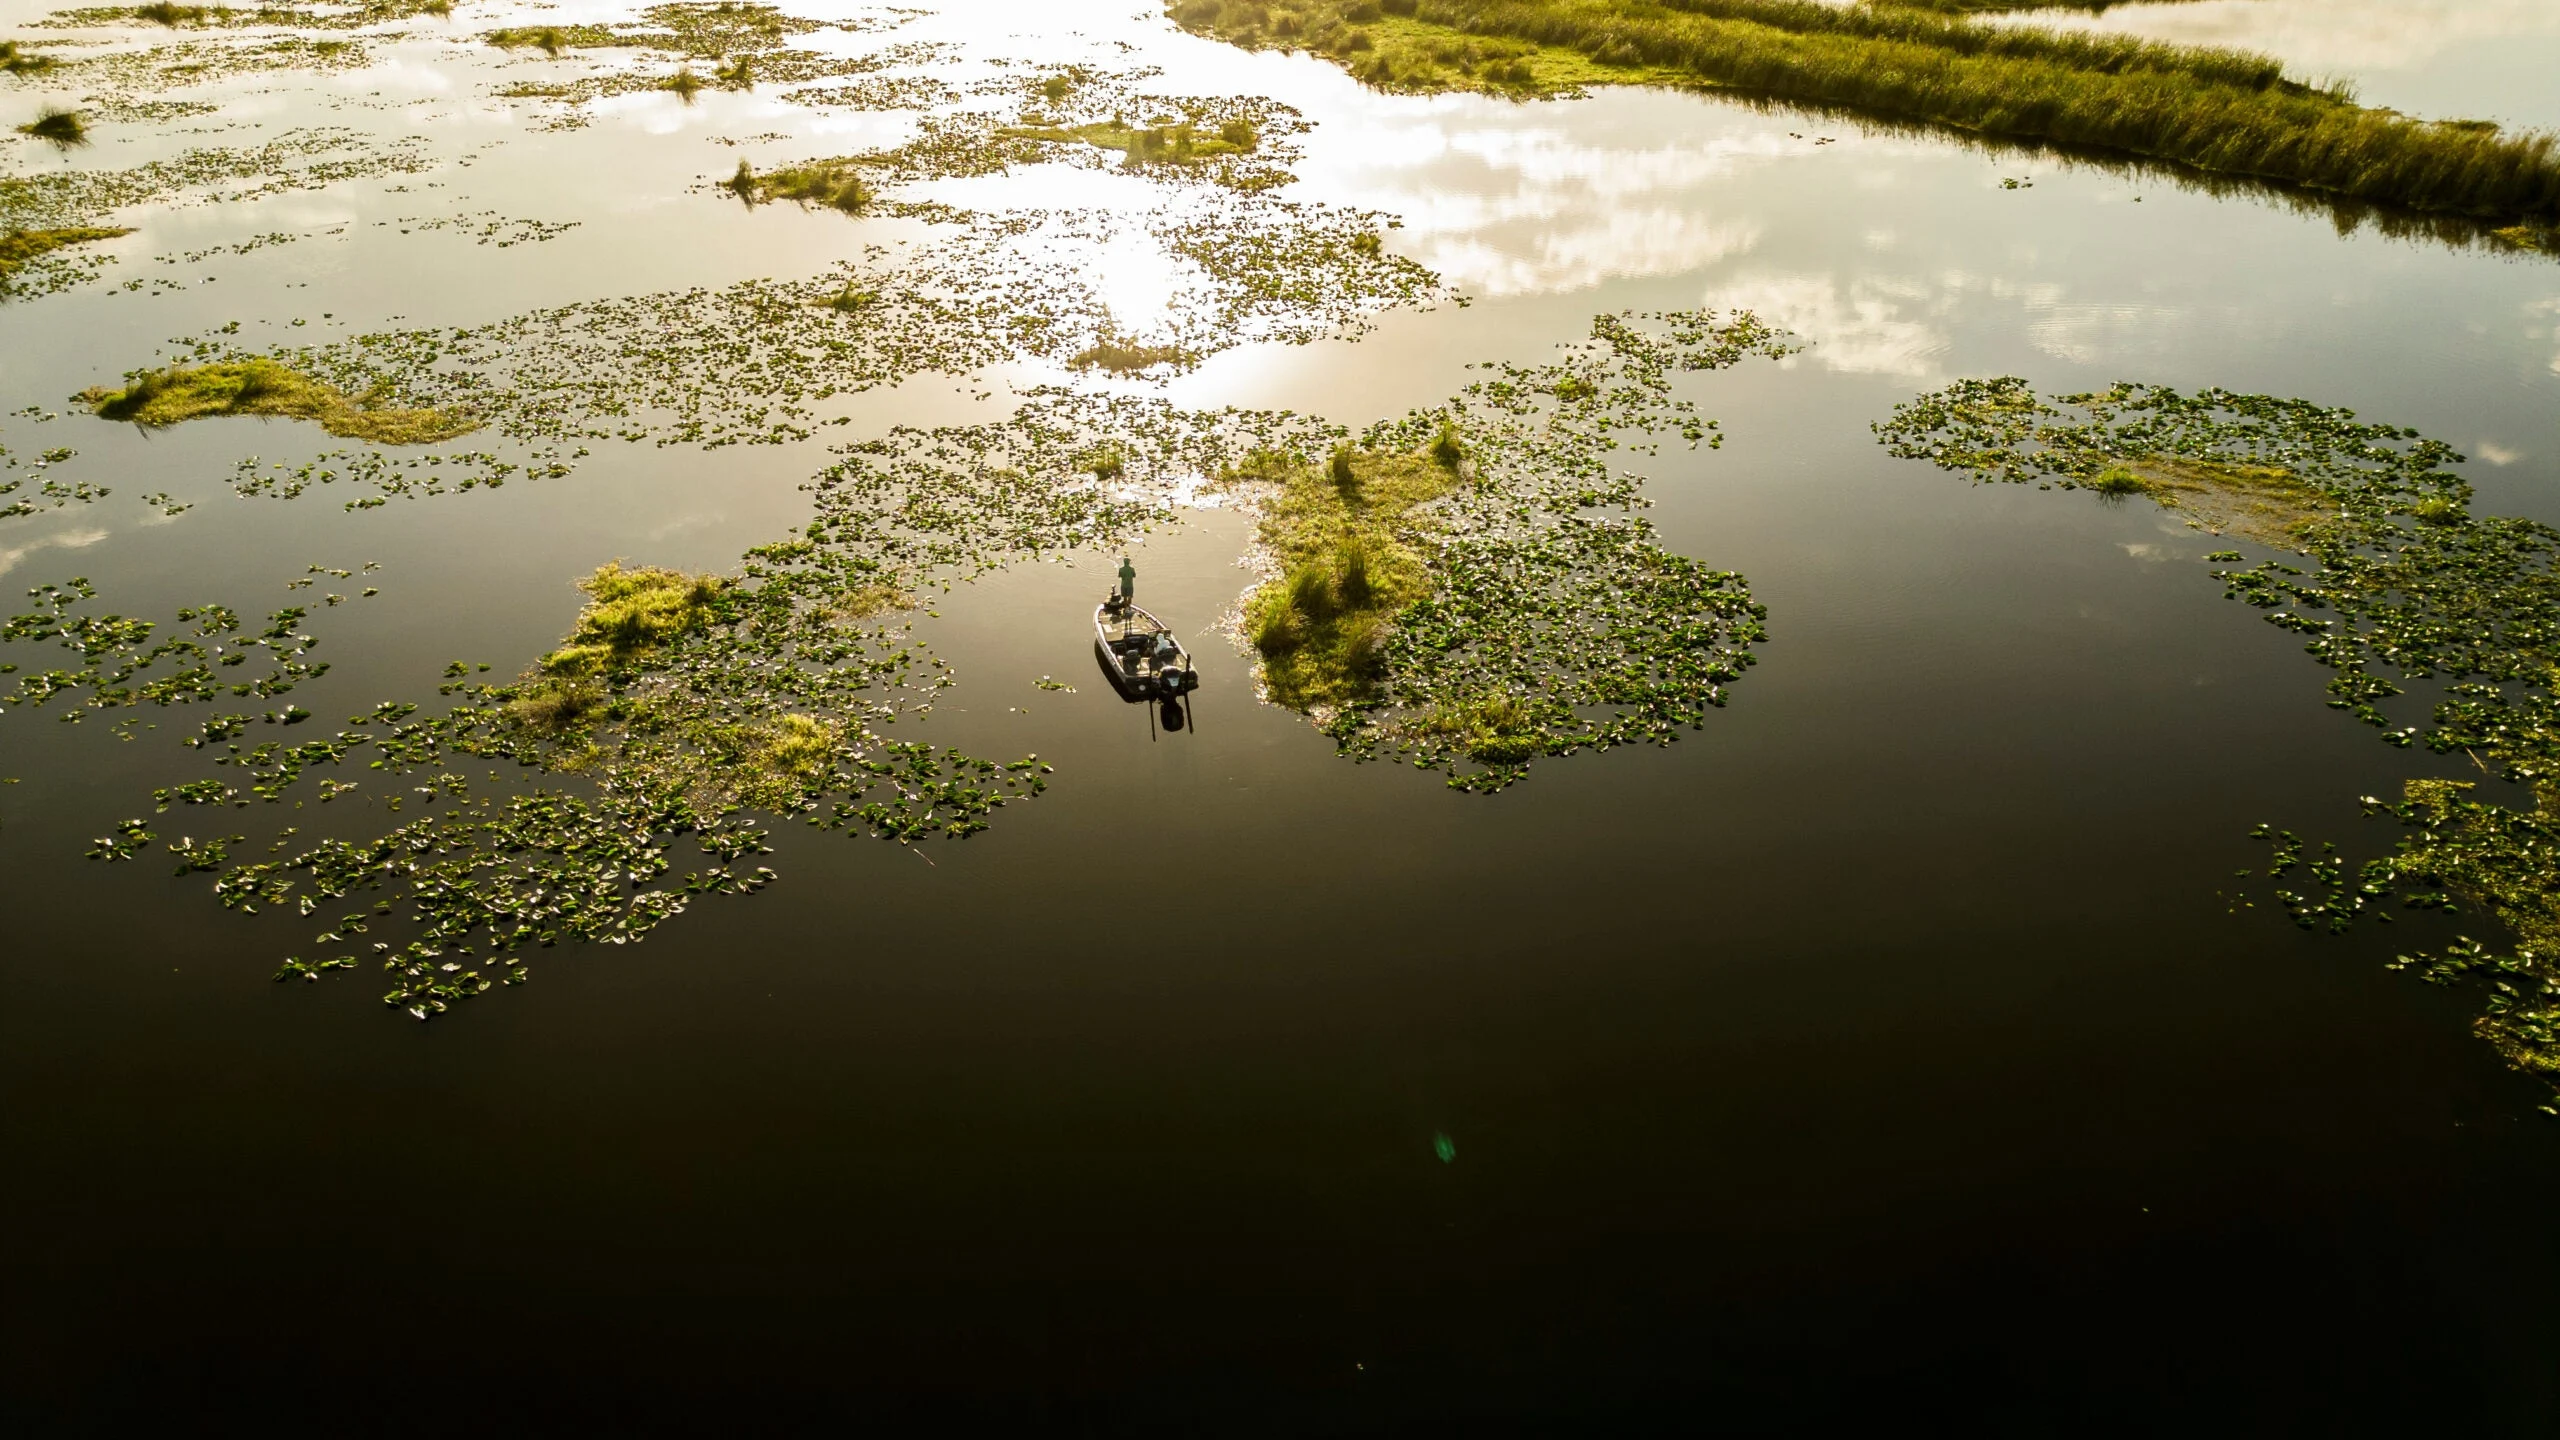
1139, 652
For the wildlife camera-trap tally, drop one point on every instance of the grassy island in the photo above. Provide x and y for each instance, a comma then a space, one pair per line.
1338, 534
264, 387
2221, 112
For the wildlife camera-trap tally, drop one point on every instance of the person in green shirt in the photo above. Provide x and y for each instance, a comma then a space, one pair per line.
1128, 579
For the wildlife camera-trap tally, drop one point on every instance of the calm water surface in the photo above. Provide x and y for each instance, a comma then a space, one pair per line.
1891, 1046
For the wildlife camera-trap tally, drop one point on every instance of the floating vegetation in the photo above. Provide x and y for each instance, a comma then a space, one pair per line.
180, 393
754, 362
2406, 586
486, 227
54, 493
2226, 464
409, 477
747, 45
686, 702
685, 706
2218, 111
78, 199
1550, 623
125, 662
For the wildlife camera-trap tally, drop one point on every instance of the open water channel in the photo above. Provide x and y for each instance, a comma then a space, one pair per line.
1900, 1043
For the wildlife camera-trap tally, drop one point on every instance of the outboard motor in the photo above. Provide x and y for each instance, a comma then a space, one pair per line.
1170, 713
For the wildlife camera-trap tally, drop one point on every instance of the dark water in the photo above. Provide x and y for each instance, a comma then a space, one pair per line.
1895, 1048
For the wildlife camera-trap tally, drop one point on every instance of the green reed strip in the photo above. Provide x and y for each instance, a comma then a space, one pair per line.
2213, 111
2218, 111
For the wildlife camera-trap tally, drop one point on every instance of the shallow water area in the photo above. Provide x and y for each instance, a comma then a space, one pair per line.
1899, 1039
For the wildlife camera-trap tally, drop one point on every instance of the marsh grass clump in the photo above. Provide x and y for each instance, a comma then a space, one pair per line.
2223, 112
57, 126
1218, 140
17, 247
163, 12
737, 73
832, 185
1497, 729
2115, 480
1345, 551
1105, 461
551, 40
685, 84
1120, 357
1448, 447
266, 387
553, 704
852, 300
630, 612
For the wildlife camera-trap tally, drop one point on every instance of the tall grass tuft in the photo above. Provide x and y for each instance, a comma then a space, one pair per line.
549, 39
835, 185
162, 12
58, 126
1447, 448
1310, 591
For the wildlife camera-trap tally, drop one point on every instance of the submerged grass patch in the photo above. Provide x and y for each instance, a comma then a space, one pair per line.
1122, 357
2221, 475
18, 247
180, 393
2218, 111
2404, 586
15, 60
